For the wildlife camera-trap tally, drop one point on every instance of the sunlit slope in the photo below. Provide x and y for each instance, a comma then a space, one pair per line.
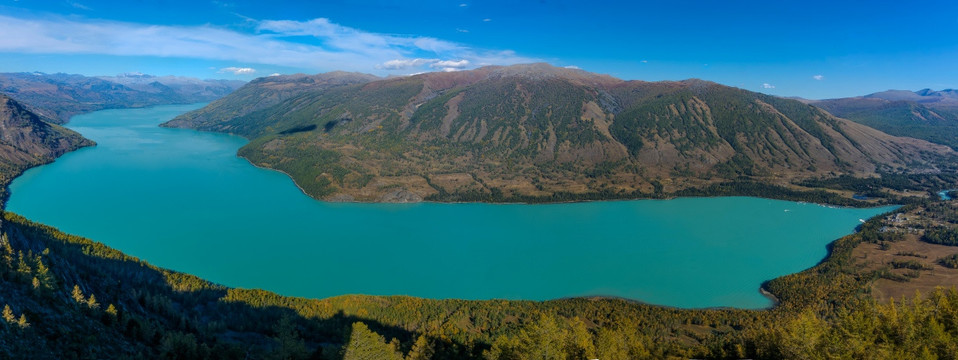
537, 131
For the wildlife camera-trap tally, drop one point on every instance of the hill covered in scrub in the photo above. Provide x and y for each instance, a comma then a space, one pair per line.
262, 93
27, 141
925, 114
540, 133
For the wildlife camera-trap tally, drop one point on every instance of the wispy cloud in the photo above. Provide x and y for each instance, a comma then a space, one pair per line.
238, 70
768, 86
572, 67
818, 77
273, 42
450, 64
399, 64
77, 5
436, 64
486, 20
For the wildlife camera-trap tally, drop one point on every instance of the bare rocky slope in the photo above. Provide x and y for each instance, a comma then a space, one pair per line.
528, 132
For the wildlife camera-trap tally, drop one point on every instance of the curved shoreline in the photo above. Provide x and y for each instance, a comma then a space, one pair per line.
761, 289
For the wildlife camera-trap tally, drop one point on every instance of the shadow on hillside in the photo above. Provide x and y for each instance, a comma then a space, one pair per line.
154, 303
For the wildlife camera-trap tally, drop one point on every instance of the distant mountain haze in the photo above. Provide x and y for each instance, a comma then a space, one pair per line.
57, 97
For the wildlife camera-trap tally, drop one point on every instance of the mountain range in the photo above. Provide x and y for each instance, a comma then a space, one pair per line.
535, 131
68, 297
924, 114
57, 97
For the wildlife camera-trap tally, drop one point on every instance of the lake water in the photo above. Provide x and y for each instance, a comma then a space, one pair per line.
944, 194
181, 199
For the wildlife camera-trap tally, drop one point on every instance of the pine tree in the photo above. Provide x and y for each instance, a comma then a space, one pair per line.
23, 269
46, 279
421, 350
364, 344
8, 315
23, 321
91, 302
78, 295
579, 343
6, 254
289, 343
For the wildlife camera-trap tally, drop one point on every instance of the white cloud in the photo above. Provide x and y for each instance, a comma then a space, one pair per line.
441, 65
572, 67
446, 64
818, 77
397, 64
462, 30
238, 70
486, 20
274, 42
645, 61
463, 5
275, 74
768, 86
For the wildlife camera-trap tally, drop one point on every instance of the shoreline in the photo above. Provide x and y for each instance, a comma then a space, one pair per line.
665, 198
762, 288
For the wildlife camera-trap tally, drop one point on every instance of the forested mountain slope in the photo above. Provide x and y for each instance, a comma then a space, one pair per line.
932, 118
537, 132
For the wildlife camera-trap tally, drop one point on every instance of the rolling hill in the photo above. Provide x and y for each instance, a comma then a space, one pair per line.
537, 132
260, 94
924, 114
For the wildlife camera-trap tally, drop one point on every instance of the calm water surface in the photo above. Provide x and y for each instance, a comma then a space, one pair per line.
181, 199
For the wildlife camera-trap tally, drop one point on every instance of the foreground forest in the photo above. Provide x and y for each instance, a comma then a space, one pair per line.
67, 297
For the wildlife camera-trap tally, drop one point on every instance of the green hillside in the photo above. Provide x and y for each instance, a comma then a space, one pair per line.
900, 118
260, 94
540, 133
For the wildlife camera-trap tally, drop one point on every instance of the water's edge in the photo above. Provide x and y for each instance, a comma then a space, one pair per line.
761, 289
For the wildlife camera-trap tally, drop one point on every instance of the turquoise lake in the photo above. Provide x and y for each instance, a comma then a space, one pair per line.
181, 199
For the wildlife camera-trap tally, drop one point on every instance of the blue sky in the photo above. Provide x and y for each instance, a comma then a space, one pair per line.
812, 49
